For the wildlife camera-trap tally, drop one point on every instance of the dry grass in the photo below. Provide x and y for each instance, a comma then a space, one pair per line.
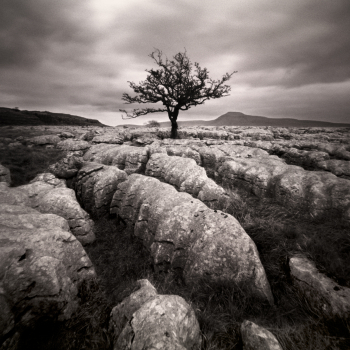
25, 162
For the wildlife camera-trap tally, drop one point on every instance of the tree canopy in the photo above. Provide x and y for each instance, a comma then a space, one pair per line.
178, 84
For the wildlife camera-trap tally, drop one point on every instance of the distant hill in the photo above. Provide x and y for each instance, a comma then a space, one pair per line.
13, 116
241, 119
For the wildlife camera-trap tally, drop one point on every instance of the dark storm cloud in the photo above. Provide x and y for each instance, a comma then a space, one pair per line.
289, 44
29, 29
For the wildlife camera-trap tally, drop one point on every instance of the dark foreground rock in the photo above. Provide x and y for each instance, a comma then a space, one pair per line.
42, 266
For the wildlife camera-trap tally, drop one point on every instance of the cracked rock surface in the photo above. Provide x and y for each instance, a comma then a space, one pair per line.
131, 159
48, 194
184, 235
315, 191
147, 320
41, 267
95, 186
186, 176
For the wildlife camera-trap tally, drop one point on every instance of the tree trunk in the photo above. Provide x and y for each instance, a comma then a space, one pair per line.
173, 129
173, 118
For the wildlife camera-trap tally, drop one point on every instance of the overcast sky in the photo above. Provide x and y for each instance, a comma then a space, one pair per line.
76, 56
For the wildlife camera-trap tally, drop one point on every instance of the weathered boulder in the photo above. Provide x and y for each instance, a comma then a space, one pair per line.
210, 156
131, 159
255, 337
42, 266
95, 186
187, 176
63, 202
67, 167
253, 174
321, 292
50, 195
186, 236
73, 145
5, 175
338, 167
146, 320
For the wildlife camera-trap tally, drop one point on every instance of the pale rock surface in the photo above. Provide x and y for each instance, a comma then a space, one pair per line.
48, 194
314, 191
95, 186
49, 179
131, 159
115, 138
186, 236
42, 266
321, 292
146, 320
187, 176
5, 174
176, 150
63, 202
122, 313
73, 145
255, 337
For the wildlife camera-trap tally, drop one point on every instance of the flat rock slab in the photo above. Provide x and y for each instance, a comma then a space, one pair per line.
321, 292
183, 234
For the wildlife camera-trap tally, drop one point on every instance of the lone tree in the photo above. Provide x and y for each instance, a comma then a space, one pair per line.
178, 85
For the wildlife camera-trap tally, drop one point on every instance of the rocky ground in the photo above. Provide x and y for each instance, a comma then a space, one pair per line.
257, 209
